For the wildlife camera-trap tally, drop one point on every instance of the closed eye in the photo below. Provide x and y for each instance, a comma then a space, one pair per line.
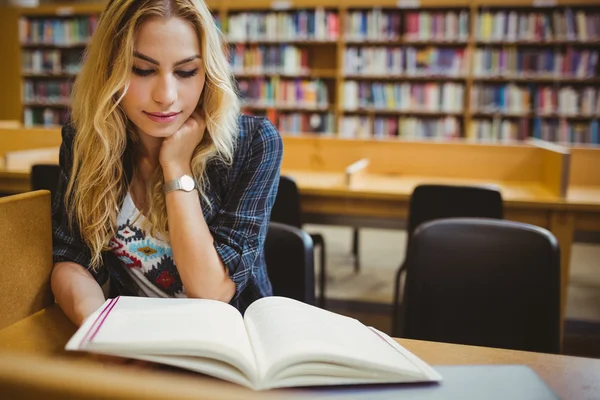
180, 73
142, 72
187, 74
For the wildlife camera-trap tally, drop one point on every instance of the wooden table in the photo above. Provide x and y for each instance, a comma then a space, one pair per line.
33, 361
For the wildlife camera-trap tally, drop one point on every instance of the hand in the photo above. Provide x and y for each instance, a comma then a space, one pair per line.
176, 150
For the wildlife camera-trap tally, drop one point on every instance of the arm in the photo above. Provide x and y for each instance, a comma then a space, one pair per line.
76, 291
216, 261
201, 270
202, 273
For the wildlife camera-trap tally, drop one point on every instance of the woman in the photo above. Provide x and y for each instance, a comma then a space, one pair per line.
166, 190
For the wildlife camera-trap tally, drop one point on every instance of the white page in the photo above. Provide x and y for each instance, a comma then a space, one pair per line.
285, 332
206, 366
168, 326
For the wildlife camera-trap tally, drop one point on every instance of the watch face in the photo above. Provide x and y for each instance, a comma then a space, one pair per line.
187, 183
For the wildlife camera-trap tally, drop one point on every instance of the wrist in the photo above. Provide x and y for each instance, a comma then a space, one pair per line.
174, 171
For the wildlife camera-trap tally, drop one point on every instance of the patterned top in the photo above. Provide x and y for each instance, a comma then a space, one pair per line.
240, 199
148, 260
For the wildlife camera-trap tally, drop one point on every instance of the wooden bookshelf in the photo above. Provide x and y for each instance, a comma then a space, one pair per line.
549, 70
328, 76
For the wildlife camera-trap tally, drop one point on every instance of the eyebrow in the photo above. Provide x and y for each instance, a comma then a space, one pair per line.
153, 61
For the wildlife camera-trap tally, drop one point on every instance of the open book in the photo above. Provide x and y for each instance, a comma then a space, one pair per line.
279, 342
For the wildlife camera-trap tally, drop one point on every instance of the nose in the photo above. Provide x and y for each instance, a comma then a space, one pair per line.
165, 90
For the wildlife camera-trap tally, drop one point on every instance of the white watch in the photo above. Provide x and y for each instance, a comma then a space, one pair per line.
185, 183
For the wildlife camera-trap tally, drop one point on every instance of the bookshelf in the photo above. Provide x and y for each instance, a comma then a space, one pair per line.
536, 70
416, 69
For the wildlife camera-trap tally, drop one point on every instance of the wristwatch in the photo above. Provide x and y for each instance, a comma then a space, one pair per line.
185, 183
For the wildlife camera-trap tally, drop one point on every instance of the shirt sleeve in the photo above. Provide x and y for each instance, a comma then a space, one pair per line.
67, 244
240, 228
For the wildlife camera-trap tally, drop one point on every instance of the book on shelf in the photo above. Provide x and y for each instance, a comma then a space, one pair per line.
536, 63
408, 97
499, 129
272, 91
57, 31
279, 342
404, 61
546, 26
51, 62
269, 59
541, 99
389, 25
416, 128
355, 127
566, 131
301, 25
403, 127
295, 123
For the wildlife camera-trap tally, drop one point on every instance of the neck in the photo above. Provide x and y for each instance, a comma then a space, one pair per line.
146, 159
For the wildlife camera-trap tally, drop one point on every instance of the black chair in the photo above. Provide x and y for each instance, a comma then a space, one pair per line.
483, 282
290, 262
45, 177
432, 201
286, 210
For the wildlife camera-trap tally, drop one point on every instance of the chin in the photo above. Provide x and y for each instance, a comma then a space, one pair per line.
158, 130
160, 133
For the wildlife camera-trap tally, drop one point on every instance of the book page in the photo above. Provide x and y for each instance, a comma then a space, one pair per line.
168, 326
290, 337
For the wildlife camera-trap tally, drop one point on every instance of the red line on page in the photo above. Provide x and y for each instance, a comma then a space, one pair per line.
98, 322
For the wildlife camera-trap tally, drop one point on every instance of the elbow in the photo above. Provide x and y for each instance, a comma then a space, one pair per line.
222, 291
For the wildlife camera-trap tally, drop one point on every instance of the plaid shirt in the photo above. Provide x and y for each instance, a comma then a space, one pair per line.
240, 195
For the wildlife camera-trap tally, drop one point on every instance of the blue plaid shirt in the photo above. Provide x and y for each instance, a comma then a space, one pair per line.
240, 195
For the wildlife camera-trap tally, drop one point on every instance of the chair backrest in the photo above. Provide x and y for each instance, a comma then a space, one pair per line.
290, 262
26, 262
286, 208
45, 177
484, 282
429, 202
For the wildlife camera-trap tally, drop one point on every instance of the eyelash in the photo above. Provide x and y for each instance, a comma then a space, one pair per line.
182, 74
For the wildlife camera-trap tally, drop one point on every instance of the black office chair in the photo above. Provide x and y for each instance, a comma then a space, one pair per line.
286, 210
290, 262
483, 282
45, 177
433, 201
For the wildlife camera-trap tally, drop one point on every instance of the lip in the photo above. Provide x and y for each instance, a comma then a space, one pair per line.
162, 117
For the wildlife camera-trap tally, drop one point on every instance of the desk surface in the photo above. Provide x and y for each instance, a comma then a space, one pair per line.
46, 333
394, 187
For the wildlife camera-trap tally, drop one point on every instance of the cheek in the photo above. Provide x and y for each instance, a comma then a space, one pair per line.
134, 98
193, 90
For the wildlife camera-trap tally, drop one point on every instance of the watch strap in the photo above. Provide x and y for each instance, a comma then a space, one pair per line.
178, 184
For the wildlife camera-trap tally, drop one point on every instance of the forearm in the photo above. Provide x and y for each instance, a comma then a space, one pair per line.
202, 272
76, 291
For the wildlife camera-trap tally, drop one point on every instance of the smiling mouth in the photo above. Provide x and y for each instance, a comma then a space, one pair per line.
162, 115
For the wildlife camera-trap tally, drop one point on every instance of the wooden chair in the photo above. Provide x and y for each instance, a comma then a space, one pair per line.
26, 248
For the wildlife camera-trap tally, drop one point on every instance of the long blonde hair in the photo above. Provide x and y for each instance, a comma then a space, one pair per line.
97, 183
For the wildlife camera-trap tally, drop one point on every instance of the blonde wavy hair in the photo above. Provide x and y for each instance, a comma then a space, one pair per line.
97, 183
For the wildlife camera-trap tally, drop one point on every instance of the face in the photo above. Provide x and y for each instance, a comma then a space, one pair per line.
167, 77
